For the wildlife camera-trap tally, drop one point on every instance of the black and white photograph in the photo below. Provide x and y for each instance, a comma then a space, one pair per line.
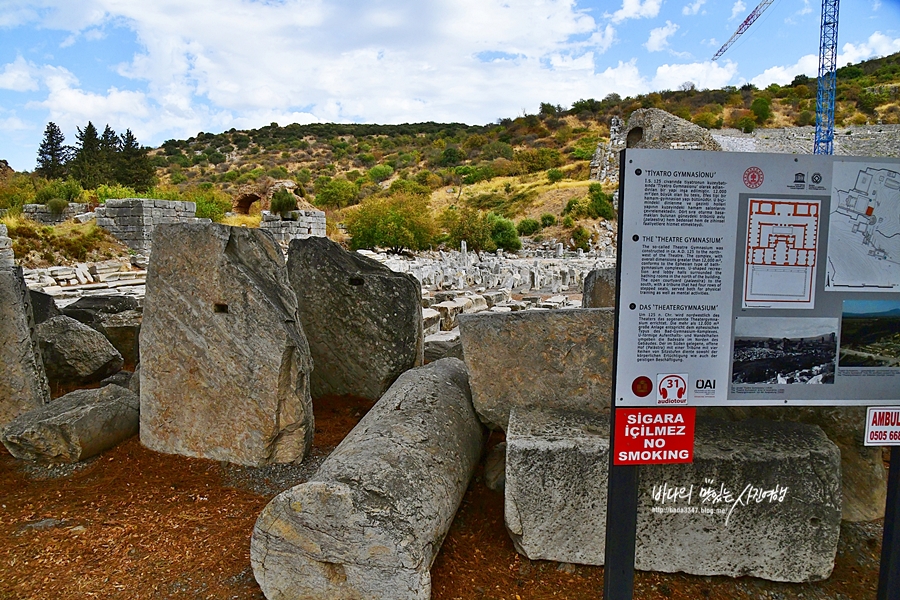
777, 350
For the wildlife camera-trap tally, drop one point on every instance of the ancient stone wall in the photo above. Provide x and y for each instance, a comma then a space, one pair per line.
299, 225
42, 214
132, 220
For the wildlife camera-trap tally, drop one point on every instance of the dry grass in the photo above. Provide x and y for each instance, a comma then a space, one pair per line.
37, 245
242, 220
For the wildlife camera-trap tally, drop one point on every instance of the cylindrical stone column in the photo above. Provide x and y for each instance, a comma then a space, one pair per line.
370, 522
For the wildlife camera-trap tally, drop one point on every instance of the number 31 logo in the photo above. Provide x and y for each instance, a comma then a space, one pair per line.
671, 389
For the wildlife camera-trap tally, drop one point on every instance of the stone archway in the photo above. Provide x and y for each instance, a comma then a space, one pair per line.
243, 202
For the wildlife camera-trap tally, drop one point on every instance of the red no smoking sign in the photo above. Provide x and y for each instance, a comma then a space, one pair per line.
654, 436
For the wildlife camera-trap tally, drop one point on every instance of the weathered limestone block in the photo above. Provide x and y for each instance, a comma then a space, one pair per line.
762, 498
552, 359
123, 331
863, 481
74, 353
23, 384
431, 321
599, 289
449, 311
74, 427
363, 321
43, 306
444, 344
224, 361
656, 128
370, 522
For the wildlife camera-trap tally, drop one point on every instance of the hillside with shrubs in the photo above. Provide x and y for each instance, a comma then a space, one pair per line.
423, 185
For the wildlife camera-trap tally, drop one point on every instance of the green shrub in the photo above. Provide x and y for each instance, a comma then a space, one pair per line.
115, 192
408, 186
528, 226
555, 176
57, 206
397, 222
336, 193
379, 173
548, 220
68, 190
469, 225
16, 190
581, 238
503, 233
568, 222
283, 201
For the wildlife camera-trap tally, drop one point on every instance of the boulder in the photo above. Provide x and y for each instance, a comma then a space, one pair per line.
554, 359
23, 384
762, 498
370, 522
75, 426
122, 378
863, 480
599, 289
224, 362
444, 344
123, 331
75, 353
363, 321
134, 382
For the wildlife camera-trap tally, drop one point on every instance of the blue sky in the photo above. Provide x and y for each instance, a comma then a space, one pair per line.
172, 68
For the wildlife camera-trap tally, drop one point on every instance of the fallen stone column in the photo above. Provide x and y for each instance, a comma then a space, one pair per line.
370, 522
762, 498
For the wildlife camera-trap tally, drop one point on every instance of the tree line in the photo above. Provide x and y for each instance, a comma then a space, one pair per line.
96, 159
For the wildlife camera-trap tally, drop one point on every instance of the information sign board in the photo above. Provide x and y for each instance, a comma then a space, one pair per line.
758, 279
656, 436
882, 426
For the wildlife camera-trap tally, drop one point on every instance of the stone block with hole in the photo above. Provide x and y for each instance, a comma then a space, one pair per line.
762, 498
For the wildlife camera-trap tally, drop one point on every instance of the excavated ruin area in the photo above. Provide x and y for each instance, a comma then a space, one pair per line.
132, 523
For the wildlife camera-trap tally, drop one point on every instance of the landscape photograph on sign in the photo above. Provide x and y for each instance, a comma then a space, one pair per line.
781, 350
870, 333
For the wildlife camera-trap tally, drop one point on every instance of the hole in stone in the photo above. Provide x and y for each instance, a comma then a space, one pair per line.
815, 521
334, 572
634, 136
220, 308
356, 281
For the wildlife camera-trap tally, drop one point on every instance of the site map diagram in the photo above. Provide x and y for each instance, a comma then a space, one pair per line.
864, 233
782, 241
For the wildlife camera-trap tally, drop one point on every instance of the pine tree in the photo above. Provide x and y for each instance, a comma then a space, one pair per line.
86, 165
52, 154
134, 168
109, 155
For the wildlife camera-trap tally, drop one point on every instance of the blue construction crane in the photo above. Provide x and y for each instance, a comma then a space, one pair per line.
825, 93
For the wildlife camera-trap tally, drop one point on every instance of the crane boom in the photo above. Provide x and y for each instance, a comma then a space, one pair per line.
827, 78
744, 26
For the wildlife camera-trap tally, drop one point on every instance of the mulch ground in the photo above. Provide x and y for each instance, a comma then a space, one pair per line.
134, 524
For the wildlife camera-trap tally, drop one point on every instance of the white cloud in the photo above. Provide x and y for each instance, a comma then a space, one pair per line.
18, 76
635, 9
693, 8
602, 40
705, 75
13, 124
877, 45
659, 37
738, 10
782, 75
807, 8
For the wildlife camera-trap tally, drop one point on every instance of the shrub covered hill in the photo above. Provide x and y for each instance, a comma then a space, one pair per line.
433, 183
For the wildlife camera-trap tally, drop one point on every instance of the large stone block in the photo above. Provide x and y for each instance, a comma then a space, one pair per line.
599, 289
123, 331
363, 321
370, 522
74, 353
23, 384
863, 481
761, 498
224, 361
74, 427
552, 359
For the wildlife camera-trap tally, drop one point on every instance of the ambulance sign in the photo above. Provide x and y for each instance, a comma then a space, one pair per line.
882, 426
654, 436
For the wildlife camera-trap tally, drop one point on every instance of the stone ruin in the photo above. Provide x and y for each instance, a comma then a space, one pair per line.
647, 128
132, 220
225, 371
41, 214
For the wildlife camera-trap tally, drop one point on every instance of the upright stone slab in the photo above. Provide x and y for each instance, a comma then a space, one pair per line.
224, 362
370, 522
553, 359
599, 289
363, 321
762, 498
23, 384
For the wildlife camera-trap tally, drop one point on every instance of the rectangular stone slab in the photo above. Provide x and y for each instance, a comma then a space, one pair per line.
762, 498
552, 359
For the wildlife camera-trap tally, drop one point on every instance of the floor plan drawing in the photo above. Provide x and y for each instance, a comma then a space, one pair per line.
782, 240
864, 230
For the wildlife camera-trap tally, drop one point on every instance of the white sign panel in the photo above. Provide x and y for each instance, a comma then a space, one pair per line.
882, 426
758, 279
